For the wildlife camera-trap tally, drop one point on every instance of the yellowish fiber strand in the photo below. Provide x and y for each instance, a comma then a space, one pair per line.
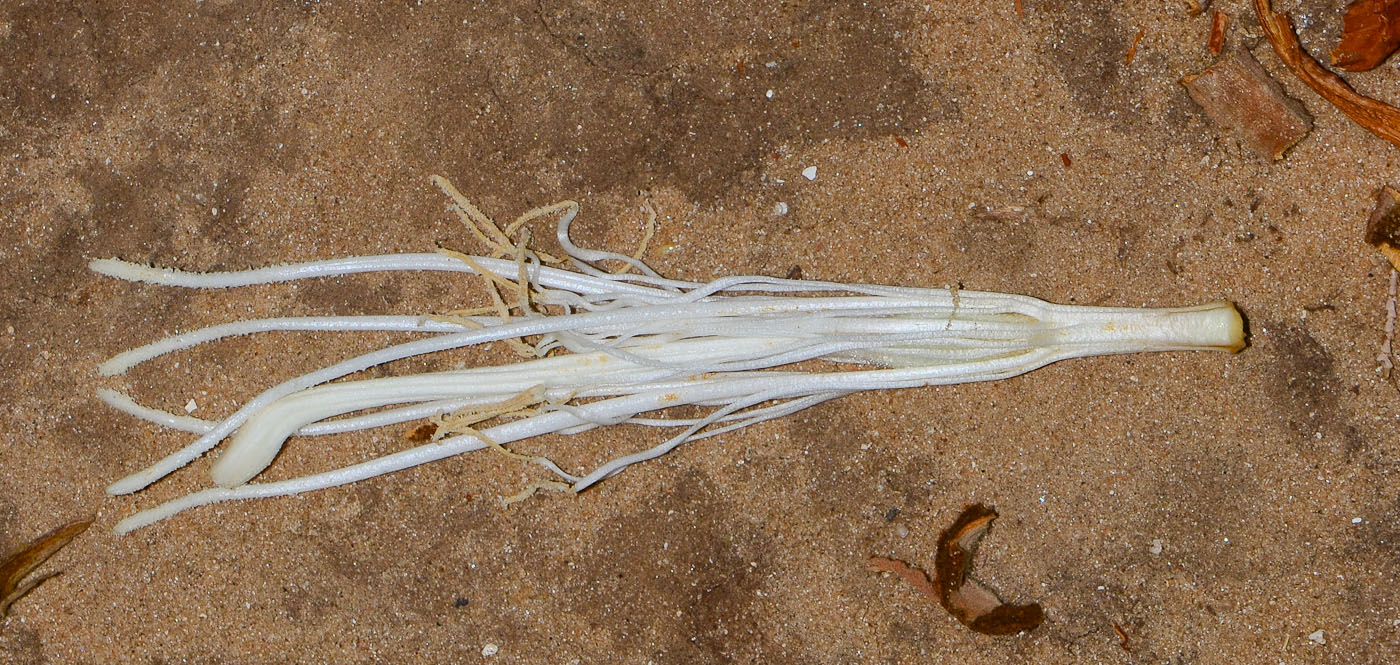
646, 238
536, 213
536, 486
493, 283
462, 420
522, 277
482, 226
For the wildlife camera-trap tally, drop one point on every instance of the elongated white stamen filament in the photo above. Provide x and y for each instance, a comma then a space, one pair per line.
640, 343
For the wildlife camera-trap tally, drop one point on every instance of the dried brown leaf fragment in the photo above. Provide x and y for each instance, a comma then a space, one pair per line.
1383, 228
1376, 116
1237, 94
20, 563
1370, 34
908, 573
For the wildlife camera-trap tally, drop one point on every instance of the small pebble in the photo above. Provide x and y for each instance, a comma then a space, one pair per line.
810, 173
1156, 547
190, 406
489, 650
780, 208
1317, 637
1356, 520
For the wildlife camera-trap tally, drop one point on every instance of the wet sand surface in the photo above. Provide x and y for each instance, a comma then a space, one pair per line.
1213, 507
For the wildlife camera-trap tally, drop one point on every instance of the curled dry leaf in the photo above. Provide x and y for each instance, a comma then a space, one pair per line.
970, 601
1370, 33
1379, 118
20, 563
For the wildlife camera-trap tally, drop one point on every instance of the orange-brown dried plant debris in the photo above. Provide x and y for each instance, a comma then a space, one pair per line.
970, 601
20, 563
1370, 34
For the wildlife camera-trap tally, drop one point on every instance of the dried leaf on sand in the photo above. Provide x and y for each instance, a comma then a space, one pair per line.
1370, 34
20, 563
1237, 94
1383, 228
973, 603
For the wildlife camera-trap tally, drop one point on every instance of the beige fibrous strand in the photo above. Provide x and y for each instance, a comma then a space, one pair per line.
600, 347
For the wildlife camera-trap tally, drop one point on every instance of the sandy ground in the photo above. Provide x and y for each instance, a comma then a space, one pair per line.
1216, 508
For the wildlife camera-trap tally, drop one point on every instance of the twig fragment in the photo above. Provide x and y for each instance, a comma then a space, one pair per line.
1122, 638
1387, 355
20, 563
1218, 22
1132, 50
